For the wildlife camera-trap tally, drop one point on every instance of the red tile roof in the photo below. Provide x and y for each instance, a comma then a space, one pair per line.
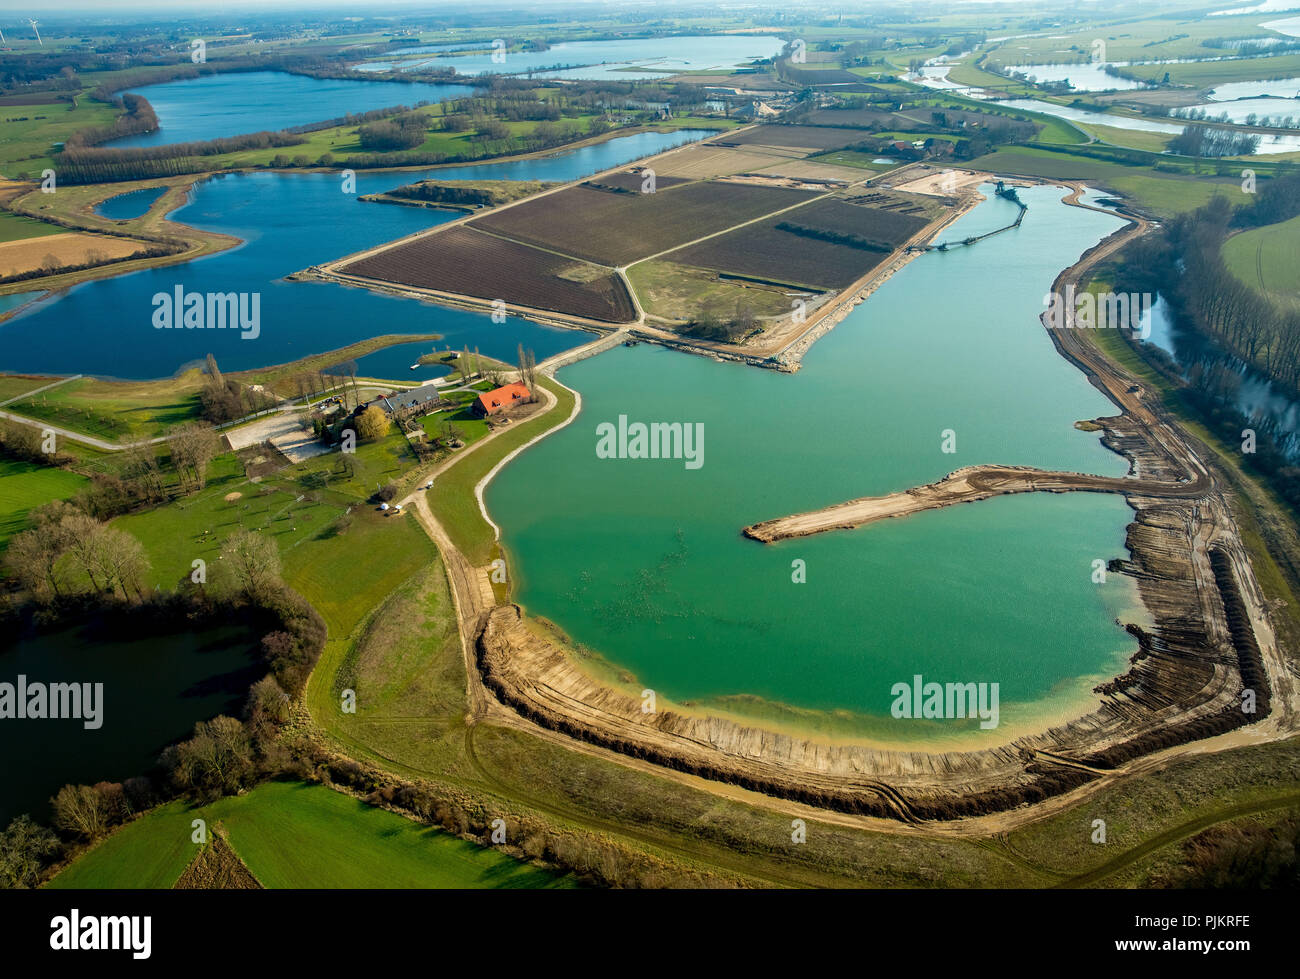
491, 402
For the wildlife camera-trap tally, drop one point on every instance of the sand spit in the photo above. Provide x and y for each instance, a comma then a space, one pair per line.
967, 485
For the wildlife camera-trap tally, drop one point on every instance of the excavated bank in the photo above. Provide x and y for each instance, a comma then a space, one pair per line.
1184, 684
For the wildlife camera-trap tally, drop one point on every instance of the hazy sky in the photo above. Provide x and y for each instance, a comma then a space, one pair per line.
42, 8
19, 10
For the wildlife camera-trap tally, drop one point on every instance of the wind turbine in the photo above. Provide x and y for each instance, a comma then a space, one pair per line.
38, 33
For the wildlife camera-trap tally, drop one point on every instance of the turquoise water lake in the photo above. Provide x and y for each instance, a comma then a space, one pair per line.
643, 560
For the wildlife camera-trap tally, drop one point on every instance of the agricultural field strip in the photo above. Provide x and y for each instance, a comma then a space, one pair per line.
622, 270
816, 255
463, 262
541, 248
619, 229
666, 251
335, 265
724, 231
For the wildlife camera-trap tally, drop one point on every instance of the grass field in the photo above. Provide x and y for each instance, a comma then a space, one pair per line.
150, 852
24, 486
452, 497
1265, 258
968, 74
1155, 38
357, 477
1207, 74
343, 563
346, 576
198, 526
409, 676
117, 410
290, 834
678, 292
18, 227
16, 385
1134, 138
471, 428
28, 132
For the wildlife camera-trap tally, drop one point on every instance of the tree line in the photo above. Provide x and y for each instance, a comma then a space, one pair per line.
138, 117
1185, 263
1238, 325
1213, 141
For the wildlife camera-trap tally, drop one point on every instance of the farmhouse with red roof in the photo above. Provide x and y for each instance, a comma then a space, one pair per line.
492, 402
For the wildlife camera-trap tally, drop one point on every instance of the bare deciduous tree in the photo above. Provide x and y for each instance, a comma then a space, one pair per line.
82, 810
252, 563
24, 845
31, 559
193, 445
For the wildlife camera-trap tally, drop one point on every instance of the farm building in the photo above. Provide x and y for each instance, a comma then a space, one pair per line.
492, 402
425, 394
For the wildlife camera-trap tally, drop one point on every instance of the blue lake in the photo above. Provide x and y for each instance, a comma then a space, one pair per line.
13, 301
289, 221
130, 205
394, 363
215, 106
626, 60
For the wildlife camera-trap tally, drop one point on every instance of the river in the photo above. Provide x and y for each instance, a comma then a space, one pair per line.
936, 76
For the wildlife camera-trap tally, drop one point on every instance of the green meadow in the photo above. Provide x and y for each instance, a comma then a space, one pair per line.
1265, 258
291, 834
16, 227
24, 486
452, 496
